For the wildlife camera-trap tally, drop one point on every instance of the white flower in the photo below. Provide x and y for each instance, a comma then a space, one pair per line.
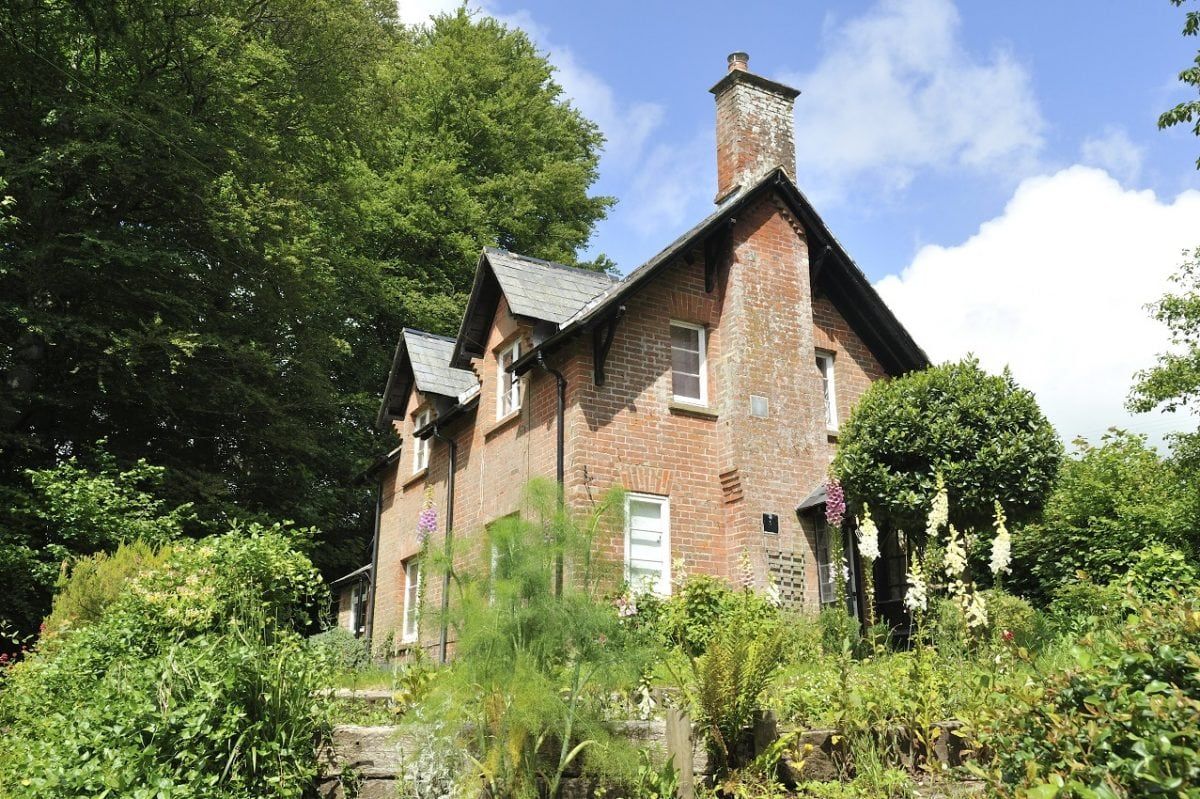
939, 509
916, 598
1001, 545
955, 559
975, 609
868, 536
774, 598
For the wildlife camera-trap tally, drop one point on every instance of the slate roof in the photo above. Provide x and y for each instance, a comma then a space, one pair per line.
835, 273
423, 358
430, 357
543, 289
535, 289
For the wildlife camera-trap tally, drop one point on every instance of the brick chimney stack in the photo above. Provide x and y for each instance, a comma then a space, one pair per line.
755, 128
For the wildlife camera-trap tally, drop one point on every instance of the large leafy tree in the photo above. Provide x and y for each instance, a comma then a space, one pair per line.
1110, 501
222, 213
983, 433
1189, 110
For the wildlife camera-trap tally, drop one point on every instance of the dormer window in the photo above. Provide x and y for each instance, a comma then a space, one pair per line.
508, 385
689, 372
421, 445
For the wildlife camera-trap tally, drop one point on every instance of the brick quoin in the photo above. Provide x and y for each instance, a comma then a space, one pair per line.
720, 467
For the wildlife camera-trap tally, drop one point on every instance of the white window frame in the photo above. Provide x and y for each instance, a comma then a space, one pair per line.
663, 586
357, 624
508, 397
702, 338
410, 621
421, 445
827, 368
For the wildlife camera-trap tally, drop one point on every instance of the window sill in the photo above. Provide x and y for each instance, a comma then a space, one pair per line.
415, 477
502, 423
688, 409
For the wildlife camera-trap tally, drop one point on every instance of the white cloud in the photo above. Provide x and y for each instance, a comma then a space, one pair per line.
1114, 152
672, 183
1055, 287
897, 92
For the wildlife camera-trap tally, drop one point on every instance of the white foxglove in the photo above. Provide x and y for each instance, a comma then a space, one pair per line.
975, 609
939, 510
868, 536
916, 598
955, 559
1001, 545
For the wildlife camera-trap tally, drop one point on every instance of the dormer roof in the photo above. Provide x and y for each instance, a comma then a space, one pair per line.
422, 360
534, 289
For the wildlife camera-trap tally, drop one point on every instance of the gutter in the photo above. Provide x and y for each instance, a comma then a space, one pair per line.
452, 446
560, 443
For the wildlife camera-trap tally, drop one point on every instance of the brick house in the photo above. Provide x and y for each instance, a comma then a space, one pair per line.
708, 382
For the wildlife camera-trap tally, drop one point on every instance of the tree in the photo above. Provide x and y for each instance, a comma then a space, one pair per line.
1188, 110
983, 433
221, 216
1110, 502
1174, 383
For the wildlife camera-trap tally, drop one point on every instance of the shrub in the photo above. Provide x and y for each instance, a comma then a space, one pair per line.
1012, 621
190, 683
700, 607
985, 435
534, 670
1082, 606
1123, 720
1110, 501
1158, 572
342, 649
91, 584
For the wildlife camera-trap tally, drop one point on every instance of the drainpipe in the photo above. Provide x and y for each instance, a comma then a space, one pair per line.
561, 450
374, 562
453, 451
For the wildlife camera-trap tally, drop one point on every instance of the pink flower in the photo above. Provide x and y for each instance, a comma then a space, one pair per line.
835, 503
626, 607
1007, 635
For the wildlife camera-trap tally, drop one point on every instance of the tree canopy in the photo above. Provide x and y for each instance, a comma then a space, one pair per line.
1110, 501
983, 433
215, 218
1188, 110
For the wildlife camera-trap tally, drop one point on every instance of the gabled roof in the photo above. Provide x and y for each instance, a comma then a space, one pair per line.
422, 359
535, 289
835, 273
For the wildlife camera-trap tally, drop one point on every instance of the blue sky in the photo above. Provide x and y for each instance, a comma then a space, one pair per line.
994, 168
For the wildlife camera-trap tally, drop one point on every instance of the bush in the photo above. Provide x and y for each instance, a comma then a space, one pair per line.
342, 649
983, 433
1158, 572
533, 671
1110, 501
1082, 606
1123, 720
700, 607
192, 682
89, 586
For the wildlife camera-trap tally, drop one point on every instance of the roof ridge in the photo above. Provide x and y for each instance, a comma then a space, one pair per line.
427, 334
552, 264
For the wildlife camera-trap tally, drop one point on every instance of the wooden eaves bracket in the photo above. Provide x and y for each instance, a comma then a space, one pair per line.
602, 339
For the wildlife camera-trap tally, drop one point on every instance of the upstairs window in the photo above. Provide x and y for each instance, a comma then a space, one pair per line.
647, 544
828, 389
689, 376
412, 598
508, 385
421, 445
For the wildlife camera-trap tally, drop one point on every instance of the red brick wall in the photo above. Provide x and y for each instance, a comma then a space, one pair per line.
721, 470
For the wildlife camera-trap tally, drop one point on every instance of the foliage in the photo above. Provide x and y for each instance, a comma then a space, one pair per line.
983, 433
699, 607
1081, 606
534, 670
726, 684
1109, 502
146, 701
70, 511
342, 649
93, 583
1157, 572
1187, 110
307, 177
1122, 720
1173, 383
